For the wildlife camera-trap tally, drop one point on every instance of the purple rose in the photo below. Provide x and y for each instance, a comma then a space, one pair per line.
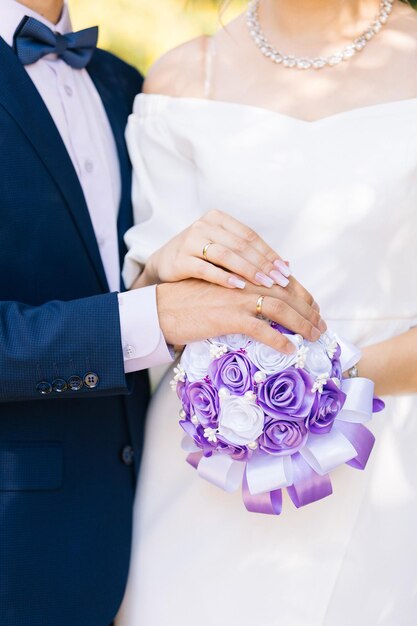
287, 395
282, 438
197, 434
336, 369
204, 402
329, 405
238, 453
234, 371
182, 393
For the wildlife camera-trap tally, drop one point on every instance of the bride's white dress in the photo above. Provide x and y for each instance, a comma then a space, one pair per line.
338, 198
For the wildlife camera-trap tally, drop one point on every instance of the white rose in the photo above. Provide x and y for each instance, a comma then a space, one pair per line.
269, 360
233, 341
317, 362
196, 359
241, 421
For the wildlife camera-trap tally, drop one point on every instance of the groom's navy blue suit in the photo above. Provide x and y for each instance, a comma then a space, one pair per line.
67, 467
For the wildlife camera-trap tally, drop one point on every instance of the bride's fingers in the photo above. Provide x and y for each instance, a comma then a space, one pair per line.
224, 257
212, 274
248, 235
243, 249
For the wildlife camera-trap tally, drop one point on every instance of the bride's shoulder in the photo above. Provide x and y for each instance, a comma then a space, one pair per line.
179, 72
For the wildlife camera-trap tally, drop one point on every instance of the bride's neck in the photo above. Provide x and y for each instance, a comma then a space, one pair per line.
327, 19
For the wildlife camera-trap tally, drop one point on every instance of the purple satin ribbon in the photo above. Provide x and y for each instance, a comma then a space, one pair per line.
269, 503
362, 440
308, 486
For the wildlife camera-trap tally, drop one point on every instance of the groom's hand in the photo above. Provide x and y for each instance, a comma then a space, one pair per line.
193, 310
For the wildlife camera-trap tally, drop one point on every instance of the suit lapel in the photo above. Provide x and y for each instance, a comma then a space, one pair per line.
19, 96
117, 112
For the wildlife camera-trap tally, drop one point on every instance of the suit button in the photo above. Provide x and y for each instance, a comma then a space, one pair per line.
91, 380
75, 383
128, 455
44, 388
59, 385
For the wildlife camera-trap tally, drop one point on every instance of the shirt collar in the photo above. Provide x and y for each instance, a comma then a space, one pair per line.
12, 13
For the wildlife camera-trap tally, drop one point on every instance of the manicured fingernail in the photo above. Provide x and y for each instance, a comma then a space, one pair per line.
282, 266
315, 334
315, 306
322, 326
279, 279
236, 282
264, 280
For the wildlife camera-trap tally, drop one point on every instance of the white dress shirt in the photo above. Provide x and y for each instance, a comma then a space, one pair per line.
78, 112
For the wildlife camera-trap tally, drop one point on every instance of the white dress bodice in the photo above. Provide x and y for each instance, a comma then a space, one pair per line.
338, 199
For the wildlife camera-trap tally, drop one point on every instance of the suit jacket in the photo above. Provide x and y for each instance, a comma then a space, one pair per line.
70, 420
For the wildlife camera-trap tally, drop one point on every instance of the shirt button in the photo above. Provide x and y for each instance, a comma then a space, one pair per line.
129, 351
89, 166
75, 383
128, 455
44, 388
59, 385
91, 380
68, 90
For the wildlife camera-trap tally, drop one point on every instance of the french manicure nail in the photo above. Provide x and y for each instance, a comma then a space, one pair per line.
283, 268
264, 280
279, 279
236, 282
315, 334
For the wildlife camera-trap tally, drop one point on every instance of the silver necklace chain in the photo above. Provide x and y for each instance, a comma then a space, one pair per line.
317, 63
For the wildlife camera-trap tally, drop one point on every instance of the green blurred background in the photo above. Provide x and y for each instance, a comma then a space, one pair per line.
141, 30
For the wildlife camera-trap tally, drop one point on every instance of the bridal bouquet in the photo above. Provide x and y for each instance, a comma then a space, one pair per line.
261, 420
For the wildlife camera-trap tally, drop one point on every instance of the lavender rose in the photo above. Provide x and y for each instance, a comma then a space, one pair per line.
197, 434
182, 393
282, 438
329, 405
204, 401
234, 371
287, 395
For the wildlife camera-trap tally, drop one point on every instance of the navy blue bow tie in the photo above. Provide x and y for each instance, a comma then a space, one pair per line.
34, 40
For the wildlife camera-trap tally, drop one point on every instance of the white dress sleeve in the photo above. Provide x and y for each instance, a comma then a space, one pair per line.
164, 191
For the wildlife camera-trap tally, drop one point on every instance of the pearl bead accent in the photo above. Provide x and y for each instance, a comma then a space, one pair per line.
305, 63
259, 377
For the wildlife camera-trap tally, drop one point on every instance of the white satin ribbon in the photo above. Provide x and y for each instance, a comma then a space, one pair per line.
221, 470
326, 452
359, 400
268, 473
350, 354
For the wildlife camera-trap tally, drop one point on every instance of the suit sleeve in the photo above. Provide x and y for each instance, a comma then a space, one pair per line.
61, 349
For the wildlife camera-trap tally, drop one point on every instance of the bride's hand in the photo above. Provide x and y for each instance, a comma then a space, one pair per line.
218, 249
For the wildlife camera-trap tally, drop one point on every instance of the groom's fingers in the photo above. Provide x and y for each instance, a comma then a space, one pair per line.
261, 331
310, 313
282, 313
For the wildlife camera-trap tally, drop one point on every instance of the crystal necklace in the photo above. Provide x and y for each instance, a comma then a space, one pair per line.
306, 63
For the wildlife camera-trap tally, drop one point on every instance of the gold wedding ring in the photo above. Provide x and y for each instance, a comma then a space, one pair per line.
259, 305
205, 250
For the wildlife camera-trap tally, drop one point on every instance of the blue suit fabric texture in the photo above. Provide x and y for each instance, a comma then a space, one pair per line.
71, 421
